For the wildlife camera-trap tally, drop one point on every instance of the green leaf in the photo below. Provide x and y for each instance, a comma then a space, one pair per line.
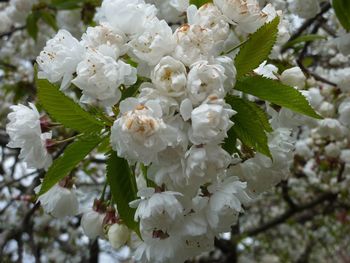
32, 24
64, 110
302, 39
342, 11
71, 157
123, 188
199, 3
49, 19
67, 4
251, 125
277, 93
257, 48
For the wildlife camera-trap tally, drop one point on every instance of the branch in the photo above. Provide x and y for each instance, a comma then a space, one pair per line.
4, 138
307, 24
288, 214
9, 33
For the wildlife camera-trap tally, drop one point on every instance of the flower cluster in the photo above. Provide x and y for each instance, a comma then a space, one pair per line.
190, 189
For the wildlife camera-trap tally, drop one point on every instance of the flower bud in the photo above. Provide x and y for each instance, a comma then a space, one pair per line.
92, 224
118, 235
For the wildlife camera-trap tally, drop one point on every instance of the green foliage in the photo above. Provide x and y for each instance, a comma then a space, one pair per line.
302, 39
342, 10
64, 110
71, 157
257, 48
123, 188
199, 3
251, 125
277, 93
49, 19
67, 4
32, 24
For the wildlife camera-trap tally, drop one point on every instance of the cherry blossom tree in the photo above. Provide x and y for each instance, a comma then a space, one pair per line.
174, 131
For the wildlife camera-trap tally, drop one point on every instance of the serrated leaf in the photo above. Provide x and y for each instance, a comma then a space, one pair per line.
257, 48
342, 11
250, 125
302, 39
71, 157
123, 188
32, 24
277, 93
64, 110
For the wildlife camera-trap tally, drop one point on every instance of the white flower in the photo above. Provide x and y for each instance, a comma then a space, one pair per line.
343, 44
326, 109
331, 128
129, 16
246, 14
105, 35
170, 10
206, 161
170, 77
332, 150
305, 8
59, 59
168, 104
228, 193
155, 204
155, 42
169, 169
345, 156
344, 113
140, 133
204, 80
160, 247
260, 172
208, 16
99, 77
118, 235
267, 70
193, 43
25, 132
230, 71
302, 149
210, 123
60, 202
92, 224
293, 77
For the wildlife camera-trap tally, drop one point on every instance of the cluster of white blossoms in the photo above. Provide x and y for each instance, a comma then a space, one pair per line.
175, 126
15, 13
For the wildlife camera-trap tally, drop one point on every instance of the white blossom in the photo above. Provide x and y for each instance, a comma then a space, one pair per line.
244, 13
25, 132
194, 43
155, 42
305, 8
170, 77
210, 123
204, 80
118, 235
293, 77
129, 16
105, 35
208, 16
140, 132
59, 202
92, 224
99, 76
59, 59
